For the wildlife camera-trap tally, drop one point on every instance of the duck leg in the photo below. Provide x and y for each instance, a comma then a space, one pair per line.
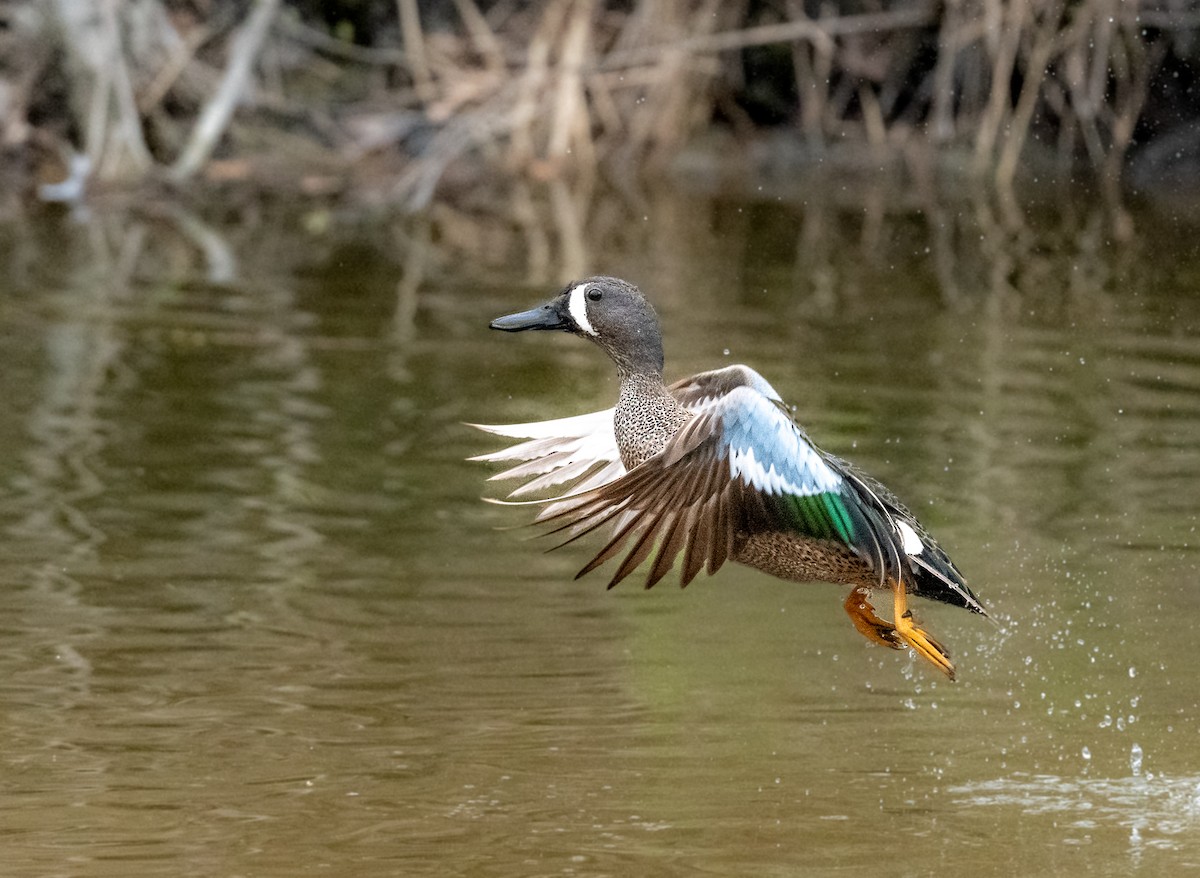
870, 626
925, 644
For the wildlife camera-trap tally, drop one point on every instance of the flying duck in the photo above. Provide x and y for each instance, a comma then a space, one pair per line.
714, 467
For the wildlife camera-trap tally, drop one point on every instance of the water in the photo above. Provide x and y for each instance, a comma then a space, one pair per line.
257, 621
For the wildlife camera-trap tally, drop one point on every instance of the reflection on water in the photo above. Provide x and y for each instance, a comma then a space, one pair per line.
258, 622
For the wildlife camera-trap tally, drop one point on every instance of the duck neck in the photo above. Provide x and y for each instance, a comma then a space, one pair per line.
646, 416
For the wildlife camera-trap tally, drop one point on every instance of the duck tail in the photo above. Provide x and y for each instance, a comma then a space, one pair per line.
934, 576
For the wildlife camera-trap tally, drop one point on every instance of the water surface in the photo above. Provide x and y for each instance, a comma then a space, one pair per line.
258, 622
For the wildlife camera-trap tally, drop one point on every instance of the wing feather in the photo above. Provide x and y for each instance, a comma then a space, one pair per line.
575, 425
699, 532
672, 533
558, 452
640, 551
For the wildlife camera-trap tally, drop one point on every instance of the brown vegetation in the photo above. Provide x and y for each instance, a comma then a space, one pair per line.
324, 97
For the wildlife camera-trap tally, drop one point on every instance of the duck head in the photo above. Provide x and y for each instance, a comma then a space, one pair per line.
606, 310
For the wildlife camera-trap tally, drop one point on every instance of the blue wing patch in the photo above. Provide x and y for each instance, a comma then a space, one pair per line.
770, 454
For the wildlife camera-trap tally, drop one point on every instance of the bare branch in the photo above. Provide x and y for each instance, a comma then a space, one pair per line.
219, 110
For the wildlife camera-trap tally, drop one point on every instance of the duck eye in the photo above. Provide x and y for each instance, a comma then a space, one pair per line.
594, 294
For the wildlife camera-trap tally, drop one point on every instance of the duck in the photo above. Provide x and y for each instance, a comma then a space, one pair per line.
714, 467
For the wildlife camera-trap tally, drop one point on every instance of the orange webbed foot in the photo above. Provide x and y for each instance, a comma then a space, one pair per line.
870, 626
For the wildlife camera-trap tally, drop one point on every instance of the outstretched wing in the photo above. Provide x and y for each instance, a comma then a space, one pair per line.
558, 452
741, 466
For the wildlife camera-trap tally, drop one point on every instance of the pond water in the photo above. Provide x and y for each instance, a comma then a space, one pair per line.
258, 622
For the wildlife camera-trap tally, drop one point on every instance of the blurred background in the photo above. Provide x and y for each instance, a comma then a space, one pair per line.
396, 103
257, 620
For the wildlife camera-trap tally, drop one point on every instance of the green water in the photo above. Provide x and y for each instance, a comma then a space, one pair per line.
257, 621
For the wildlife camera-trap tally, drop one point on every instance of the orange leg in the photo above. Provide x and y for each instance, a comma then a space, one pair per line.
926, 646
870, 626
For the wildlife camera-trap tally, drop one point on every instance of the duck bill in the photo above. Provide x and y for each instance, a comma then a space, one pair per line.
546, 316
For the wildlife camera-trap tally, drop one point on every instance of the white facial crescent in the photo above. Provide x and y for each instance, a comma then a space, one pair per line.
578, 305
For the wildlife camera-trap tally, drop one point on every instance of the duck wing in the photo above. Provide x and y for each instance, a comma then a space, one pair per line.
742, 466
739, 466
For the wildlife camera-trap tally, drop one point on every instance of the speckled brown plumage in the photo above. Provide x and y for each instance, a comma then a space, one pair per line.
646, 417
803, 560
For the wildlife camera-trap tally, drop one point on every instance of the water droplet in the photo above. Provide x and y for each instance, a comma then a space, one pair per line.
1135, 759
1086, 753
